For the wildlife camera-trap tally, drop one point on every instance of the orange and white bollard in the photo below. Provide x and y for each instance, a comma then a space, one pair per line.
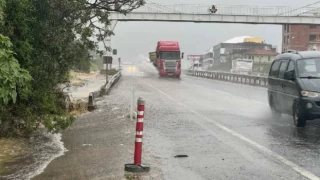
137, 166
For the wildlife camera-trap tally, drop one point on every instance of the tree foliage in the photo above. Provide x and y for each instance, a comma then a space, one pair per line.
48, 39
13, 79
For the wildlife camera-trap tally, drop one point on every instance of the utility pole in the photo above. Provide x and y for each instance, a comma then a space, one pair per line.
107, 78
107, 60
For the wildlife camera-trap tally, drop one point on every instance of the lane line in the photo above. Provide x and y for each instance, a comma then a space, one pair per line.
198, 85
222, 92
289, 163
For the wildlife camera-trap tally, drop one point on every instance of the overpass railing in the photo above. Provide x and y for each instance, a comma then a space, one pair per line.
230, 9
234, 78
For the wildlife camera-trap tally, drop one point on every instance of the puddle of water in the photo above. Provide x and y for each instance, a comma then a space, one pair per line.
10, 150
40, 150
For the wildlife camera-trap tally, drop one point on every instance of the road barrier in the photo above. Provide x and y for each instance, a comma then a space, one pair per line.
235, 78
137, 166
104, 90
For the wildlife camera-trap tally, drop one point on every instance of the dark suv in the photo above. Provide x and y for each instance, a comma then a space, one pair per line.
294, 86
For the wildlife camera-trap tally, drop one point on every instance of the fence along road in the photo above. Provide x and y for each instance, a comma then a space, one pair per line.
235, 78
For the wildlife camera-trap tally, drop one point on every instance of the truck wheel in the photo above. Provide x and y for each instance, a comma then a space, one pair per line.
299, 118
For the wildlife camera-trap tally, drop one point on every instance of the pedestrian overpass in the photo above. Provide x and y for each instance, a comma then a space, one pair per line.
309, 14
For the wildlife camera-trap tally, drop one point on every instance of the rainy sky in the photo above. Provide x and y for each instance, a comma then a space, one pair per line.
136, 38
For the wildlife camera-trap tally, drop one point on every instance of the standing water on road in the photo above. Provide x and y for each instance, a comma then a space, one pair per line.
28, 158
39, 151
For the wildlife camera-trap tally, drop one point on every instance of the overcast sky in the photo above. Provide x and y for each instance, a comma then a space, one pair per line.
135, 38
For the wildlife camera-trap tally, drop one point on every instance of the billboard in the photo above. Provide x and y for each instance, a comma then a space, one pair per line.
194, 57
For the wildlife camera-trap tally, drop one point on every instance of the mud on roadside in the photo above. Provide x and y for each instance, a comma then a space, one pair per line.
11, 150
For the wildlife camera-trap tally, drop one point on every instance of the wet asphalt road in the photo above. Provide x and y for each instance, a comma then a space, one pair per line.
226, 130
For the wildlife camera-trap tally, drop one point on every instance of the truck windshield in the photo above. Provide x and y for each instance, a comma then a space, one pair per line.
309, 68
170, 55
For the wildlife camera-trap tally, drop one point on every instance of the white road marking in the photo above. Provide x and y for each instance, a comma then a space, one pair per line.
198, 85
222, 92
290, 164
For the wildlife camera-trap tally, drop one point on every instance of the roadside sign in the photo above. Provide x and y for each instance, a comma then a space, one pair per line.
107, 59
114, 51
193, 57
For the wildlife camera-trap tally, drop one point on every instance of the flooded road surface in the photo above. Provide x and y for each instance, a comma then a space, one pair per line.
225, 129
227, 132
38, 152
26, 158
98, 143
88, 83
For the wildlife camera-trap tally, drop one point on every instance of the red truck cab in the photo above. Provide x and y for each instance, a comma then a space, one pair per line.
168, 58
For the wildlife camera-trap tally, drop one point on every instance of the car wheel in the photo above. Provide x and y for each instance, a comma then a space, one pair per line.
299, 118
276, 114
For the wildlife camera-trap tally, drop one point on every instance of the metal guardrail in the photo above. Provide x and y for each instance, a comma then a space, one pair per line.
232, 9
234, 78
103, 91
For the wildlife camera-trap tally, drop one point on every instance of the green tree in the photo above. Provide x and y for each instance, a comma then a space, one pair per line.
49, 38
15, 81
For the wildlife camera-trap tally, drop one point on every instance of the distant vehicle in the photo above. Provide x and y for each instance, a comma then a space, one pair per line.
169, 58
242, 66
294, 86
197, 65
